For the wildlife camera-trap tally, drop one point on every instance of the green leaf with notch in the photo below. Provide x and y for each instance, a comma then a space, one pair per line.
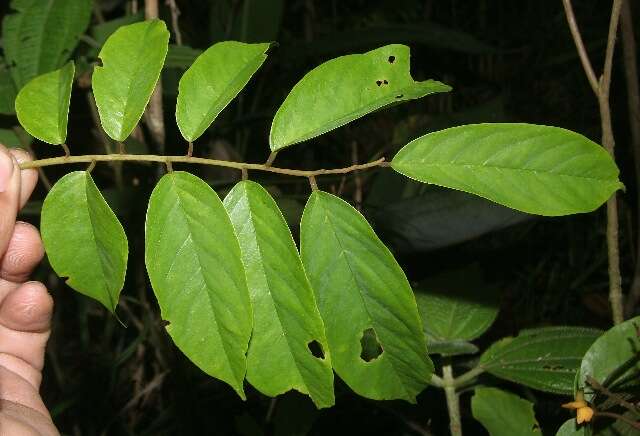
41, 35
613, 359
546, 358
287, 323
503, 413
194, 264
345, 89
83, 239
536, 169
132, 59
42, 105
364, 299
214, 79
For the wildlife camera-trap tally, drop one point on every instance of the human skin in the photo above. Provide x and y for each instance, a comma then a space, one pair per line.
25, 307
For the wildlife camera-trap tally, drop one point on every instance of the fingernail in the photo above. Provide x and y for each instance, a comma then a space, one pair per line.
6, 169
20, 154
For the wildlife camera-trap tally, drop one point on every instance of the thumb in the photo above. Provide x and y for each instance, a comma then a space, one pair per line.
9, 196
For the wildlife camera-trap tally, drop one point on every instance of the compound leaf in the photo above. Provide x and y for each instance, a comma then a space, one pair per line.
132, 59
345, 89
287, 323
370, 314
83, 238
503, 413
536, 169
613, 359
214, 79
546, 358
42, 105
41, 35
193, 260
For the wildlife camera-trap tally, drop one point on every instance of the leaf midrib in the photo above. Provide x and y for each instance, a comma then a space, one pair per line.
187, 221
423, 164
275, 305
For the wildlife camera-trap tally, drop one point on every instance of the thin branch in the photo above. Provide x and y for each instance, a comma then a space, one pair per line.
615, 397
195, 160
175, 13
623, 418
633, 105
154, 115
605, 80
582, 52
453, 401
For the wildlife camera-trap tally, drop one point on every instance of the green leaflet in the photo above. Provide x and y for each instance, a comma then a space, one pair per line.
83, 238
132, 59
41, 35
193, 260
362, 294
344, 89
285, 317
536, 169
503, 413
42, 105
546, 358
214, 79
613, 359
457, 305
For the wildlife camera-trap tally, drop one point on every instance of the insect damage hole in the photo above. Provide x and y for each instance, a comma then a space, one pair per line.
316, 349
378, 82
370, 346
391, 59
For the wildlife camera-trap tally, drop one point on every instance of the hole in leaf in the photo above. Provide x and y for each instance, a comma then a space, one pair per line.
371, 348
392, 59
164, 323
316, 349
378, 82
99, 62
385, 81
400, 96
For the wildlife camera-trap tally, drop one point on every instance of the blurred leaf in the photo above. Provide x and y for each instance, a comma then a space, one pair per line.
214, 79
197, 276
546, 358
41, 35
536, 169
457, 305
429, 34
258, 20
503, 413
7, 91
437, 218
9, 139
285, 316
570, 428
294, 416
181, 56
345, 89
449, 348
102, 31
360, 288
132, 60
83, 238
42, 105
246, 20
613, 359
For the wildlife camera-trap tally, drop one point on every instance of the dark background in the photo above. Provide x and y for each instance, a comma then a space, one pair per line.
506, 60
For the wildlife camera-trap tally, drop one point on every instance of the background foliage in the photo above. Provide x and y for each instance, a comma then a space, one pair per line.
507, 61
